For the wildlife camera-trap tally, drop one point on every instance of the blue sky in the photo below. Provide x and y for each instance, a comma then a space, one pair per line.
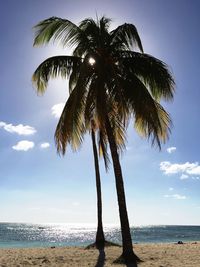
36, 185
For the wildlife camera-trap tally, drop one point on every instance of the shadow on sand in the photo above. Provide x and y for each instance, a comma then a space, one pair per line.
101, 258
131, 265
120, 261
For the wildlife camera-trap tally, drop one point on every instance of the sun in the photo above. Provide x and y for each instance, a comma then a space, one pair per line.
91, 61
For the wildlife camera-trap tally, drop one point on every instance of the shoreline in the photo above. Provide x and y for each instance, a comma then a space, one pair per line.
152, 254
84, 246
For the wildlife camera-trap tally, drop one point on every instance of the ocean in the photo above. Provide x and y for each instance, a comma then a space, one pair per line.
21, 235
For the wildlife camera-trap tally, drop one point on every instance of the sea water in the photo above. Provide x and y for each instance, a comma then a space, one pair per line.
46, 235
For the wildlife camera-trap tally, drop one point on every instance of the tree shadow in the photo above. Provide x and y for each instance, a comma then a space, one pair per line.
101, 258
131, 265
106, 244
121, 261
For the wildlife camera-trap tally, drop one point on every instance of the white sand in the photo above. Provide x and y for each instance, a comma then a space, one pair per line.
158, 255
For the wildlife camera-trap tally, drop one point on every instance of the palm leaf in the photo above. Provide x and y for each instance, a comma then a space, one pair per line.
52, 68
71, 127
127, 35
103, 142
97, 34
57, 29
153, 72
151, 120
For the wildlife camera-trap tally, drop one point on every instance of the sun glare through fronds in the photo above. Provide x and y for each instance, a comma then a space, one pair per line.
91, 61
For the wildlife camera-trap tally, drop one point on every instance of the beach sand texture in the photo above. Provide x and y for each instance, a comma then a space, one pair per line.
158, 255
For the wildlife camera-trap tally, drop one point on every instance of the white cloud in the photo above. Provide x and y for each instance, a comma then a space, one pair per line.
195, 170
2, 124
176, 196
186, 169
23, 145
57, 109
184, 176
19, 129
171, 189
45, 145
171, 149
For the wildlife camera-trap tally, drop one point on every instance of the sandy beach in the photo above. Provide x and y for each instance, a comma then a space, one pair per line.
158, 255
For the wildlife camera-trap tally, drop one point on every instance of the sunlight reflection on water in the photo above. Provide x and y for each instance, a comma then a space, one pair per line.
42, 235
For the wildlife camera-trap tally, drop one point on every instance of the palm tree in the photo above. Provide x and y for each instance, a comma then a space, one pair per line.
112, 79
100, 238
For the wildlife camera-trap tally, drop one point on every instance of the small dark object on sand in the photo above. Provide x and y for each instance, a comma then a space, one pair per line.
53, 247
180, 242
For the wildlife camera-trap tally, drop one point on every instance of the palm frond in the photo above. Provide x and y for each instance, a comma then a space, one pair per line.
127, 35
52, 68
152, 71
73, 77
101, 140
156, 127
119, 126
90, 105
151, 120
116, 92
103, 143
104, 23
71, 126
57, 29
96, 32
88, 25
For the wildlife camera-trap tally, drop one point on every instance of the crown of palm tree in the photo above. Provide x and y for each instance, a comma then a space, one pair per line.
119, 82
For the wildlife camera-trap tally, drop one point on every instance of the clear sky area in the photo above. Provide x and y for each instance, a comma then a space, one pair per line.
36, 184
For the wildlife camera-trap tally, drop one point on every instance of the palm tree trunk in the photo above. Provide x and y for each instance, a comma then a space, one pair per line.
100, 239
128, 255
